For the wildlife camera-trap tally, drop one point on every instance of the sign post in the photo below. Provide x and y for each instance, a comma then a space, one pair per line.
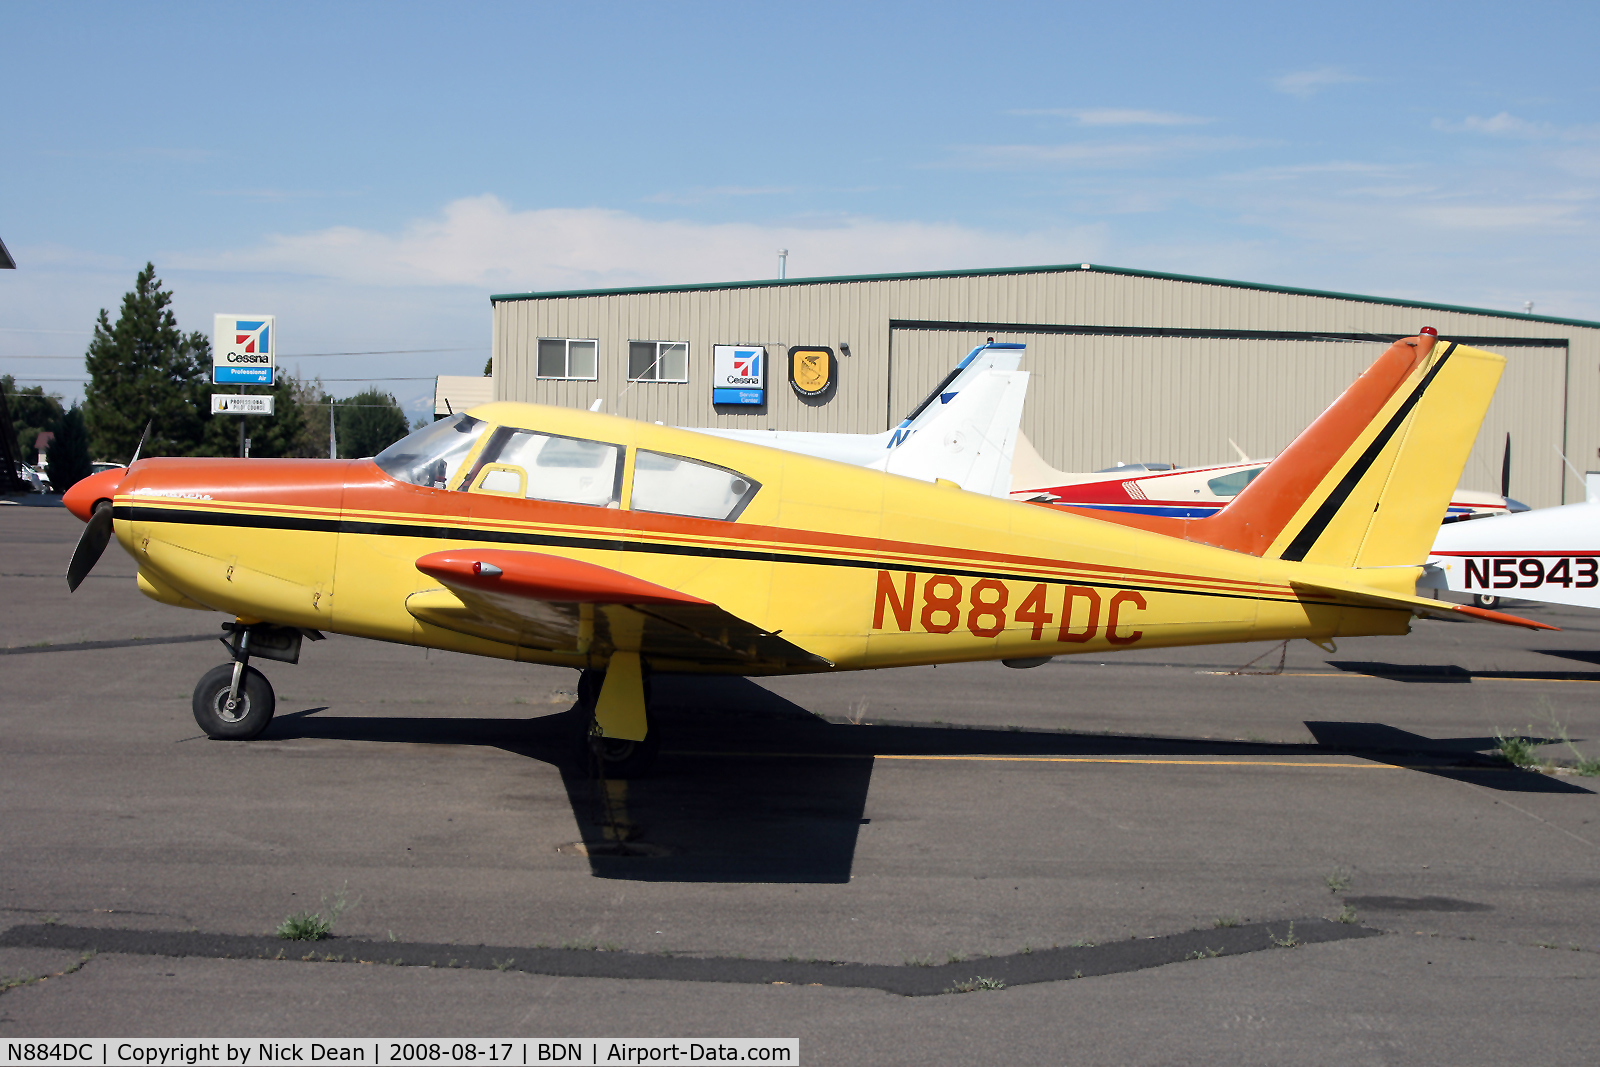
243, 352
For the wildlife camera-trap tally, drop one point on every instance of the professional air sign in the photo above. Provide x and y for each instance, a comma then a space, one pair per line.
738, 374
242, 350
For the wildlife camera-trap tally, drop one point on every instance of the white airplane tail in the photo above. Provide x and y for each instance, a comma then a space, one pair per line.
972, 437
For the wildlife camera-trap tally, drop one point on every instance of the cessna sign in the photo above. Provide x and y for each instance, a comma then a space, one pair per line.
243, 350
738, 374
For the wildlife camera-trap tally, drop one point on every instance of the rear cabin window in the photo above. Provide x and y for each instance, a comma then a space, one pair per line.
539, 466
672, 485
1233, 484
433, 454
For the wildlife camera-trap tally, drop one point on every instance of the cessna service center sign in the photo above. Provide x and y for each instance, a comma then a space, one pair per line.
738, 374
242, 351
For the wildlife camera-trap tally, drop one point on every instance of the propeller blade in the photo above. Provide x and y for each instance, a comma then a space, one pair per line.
96, 535
142, 439
1505, 470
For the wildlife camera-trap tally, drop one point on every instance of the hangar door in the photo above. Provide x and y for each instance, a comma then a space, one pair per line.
1095, 400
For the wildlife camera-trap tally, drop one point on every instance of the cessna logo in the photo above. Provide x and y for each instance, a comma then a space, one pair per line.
246, 357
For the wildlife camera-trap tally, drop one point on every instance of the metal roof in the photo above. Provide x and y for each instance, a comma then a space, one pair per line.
1061, 268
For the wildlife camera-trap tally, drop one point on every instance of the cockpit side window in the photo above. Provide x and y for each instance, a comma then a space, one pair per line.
432, 455
541, 466
1233, 484
673, 485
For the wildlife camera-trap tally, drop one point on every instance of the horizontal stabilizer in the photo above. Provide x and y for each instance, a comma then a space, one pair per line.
1437, 609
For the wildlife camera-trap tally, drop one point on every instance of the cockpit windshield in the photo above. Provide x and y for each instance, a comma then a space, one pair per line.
433, 454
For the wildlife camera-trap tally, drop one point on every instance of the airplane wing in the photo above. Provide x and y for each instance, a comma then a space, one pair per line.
1438, 609
535, 600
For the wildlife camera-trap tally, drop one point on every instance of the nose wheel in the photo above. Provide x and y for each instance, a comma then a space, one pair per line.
233, 702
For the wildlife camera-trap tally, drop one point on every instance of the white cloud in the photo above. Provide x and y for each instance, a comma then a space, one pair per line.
478, 242
1304, 83
1105, 154
1119, 116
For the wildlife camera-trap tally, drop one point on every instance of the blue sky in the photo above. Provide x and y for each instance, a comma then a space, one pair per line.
370, 173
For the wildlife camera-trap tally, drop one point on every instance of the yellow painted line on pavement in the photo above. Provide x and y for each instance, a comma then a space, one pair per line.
1163, 762
1042, 759
1404, 677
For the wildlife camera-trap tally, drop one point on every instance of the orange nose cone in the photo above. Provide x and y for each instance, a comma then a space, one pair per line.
81, 498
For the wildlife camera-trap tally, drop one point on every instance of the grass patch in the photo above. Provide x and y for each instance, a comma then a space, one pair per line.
1348, 915
315, 925
1226, 920
1518, 750
1337, 881
976, 985
304, 926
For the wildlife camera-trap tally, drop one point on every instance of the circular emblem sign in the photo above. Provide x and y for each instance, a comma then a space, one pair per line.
812, 370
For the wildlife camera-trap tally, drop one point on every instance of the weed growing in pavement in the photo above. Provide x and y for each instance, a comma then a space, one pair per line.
580, 946
317, 925
1077, 974
954, 957
304, 926
919, 961
1226, 920
1203, 953
1588, 766
502, 965
1517, 749
1082, 944
1287, 941
1545, 944
974, 985
1348, 915
1338, 881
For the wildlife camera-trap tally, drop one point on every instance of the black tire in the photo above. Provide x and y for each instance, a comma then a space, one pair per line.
211, 699
610, 757
1485, 600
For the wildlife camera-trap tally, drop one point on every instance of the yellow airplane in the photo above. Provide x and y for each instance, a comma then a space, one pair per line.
620, 548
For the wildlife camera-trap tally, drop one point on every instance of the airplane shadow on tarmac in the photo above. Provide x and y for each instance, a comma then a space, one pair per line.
751, 787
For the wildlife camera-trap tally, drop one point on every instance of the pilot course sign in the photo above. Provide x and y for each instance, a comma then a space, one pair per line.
243, 350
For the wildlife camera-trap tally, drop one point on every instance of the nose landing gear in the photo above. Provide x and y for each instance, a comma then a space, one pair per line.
234, 701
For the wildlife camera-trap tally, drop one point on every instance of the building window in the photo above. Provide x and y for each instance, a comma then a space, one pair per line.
560, 357
658, 361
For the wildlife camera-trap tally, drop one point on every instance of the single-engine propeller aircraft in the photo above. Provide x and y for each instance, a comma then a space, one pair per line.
619, 548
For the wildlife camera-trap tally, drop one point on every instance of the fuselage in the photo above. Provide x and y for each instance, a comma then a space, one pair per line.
862, 568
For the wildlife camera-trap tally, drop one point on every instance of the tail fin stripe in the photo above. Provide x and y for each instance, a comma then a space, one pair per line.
1307, 537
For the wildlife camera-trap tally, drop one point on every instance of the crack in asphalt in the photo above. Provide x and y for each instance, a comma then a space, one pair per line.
909, 979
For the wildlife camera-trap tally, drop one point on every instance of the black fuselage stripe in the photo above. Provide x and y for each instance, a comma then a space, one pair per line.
1330, 507
189, 517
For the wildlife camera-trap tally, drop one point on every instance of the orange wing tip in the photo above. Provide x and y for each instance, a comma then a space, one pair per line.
539, 576
1499, 616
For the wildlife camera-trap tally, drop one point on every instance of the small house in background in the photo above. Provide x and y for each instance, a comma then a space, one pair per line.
41, 445
458, 392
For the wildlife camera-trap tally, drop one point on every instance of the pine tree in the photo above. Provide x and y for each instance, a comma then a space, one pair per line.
69, 455
144, 369
370, 422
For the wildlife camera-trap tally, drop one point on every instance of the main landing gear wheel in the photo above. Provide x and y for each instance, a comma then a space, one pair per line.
250, 713
1484, 600
612, 757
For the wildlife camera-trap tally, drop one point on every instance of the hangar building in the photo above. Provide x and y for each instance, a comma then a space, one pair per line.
1127, 365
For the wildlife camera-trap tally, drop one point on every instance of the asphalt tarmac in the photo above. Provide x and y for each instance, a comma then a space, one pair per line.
860, 838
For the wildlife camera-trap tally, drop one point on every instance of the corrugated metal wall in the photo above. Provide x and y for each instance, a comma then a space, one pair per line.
1094, 399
